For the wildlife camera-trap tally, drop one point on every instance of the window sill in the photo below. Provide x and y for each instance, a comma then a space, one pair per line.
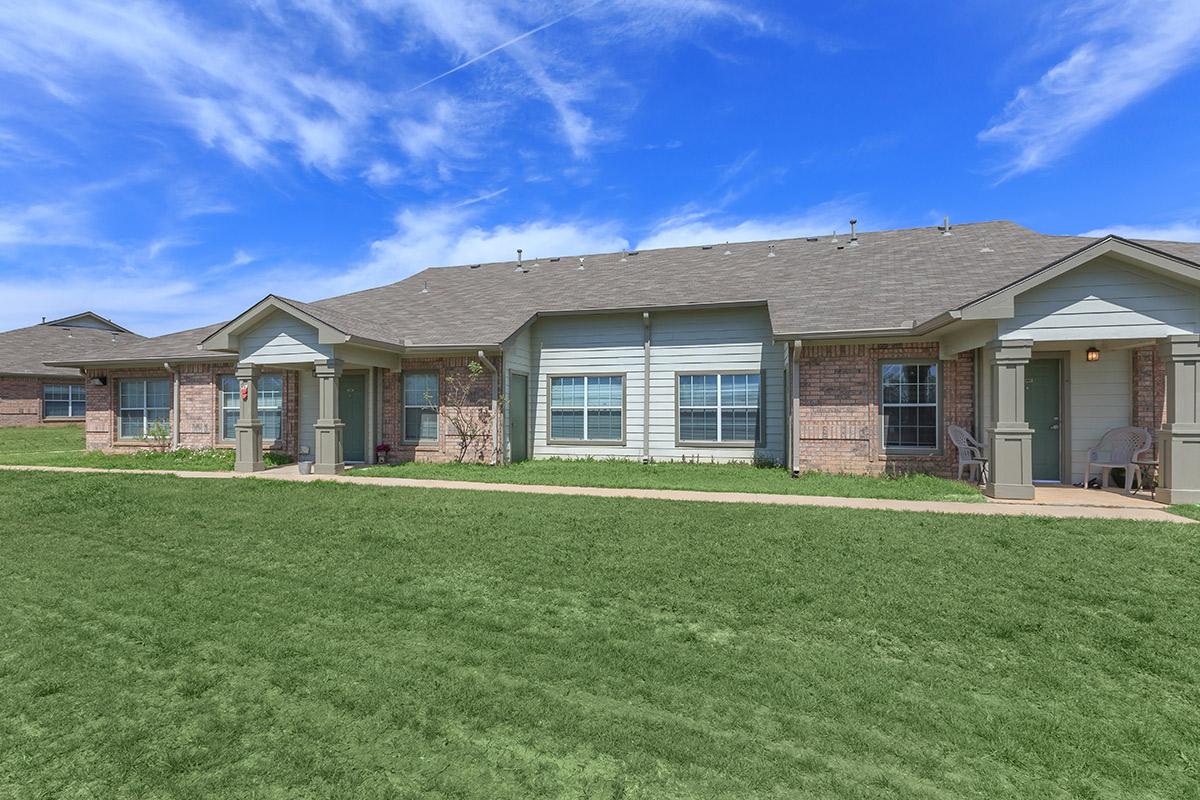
586, 442
743, 445
911, 451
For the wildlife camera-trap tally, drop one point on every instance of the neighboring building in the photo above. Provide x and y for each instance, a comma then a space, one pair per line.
32, 393
844, 353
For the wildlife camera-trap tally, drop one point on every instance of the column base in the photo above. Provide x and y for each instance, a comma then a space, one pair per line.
1177, 497
1008, 491
329, 469
249, 446
253, 466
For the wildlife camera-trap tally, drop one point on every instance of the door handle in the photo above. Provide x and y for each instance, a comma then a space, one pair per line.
1055, 427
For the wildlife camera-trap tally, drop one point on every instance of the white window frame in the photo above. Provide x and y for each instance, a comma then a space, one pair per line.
434, 406
936, 405
585, 408
758, 441
144, 408
71, 400
264, 410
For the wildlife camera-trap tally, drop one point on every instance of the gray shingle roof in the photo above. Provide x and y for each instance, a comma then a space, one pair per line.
889, 280
24, 351
178, 346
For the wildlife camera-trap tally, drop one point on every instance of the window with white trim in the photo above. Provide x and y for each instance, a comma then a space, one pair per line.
720, 408
421, 406
143, 404
64, 401
587, 408
909, 405
270, 406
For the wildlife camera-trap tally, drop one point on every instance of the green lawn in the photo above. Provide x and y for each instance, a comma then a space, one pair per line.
701, 477
63, 446
172, 638
40, 439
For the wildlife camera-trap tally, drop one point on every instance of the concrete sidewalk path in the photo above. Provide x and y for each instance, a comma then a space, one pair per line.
290, 473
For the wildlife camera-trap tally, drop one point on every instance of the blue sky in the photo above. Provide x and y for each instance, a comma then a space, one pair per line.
169, 164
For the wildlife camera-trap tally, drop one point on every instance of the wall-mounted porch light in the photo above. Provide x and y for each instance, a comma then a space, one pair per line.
1093, 354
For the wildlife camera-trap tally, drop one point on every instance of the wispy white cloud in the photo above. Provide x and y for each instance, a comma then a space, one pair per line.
1121, 51
45, 224
693, 227
1180, 231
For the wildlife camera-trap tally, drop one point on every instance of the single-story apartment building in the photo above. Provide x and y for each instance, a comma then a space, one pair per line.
32, 393
849, 353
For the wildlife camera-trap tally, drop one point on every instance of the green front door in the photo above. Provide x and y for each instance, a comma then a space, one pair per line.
352, 407
1043, 411
518, 411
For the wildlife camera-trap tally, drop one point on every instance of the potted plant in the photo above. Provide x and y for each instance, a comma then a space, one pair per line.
381, 452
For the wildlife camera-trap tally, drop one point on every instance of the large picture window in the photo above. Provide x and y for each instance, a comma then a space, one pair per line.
720, 408
270, 406
909, 405
587, 408
63, 401
420, 407
143, 404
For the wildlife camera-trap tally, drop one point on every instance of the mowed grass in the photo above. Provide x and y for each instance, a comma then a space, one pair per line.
622, 474
63, 446
41, 439
176, 638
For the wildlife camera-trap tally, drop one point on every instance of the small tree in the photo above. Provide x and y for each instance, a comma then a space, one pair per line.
159, 433
469, 411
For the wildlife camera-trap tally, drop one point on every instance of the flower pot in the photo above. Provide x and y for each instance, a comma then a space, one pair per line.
305, 467
381, 458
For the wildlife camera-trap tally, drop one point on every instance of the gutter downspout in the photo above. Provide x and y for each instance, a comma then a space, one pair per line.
174, 404
794, 392
646, 387
495, 402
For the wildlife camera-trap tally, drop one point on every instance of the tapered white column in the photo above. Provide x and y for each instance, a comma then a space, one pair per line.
249, 428
329, 426
1179, 439
1010, 440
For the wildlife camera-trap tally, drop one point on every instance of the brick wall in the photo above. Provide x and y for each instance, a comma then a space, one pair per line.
21, 401
1149, 389
199, 408
839, 418
478, 399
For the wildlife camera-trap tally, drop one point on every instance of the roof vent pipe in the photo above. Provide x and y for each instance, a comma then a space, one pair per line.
853, 232
771, 250
946, 226
424, 287
581, 262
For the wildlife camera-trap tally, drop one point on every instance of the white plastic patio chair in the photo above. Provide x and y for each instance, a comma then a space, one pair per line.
970, 453
1120, 447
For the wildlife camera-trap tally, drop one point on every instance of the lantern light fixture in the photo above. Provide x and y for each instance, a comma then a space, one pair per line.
1093, 354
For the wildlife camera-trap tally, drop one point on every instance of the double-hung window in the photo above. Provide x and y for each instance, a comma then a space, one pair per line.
143, 405
587, 408
909, 405
270, 406
420, 407
63, 401
720, 408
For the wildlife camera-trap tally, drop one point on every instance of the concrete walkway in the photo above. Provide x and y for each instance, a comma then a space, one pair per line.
1029, 509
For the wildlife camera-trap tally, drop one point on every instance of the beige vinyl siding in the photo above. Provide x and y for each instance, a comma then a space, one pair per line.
1101, 399
307, 413
725, 340
1104, 300
282, 339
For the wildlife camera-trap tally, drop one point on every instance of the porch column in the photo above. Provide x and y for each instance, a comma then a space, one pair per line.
328, 427
249, 427
1179, 439
1010, 440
